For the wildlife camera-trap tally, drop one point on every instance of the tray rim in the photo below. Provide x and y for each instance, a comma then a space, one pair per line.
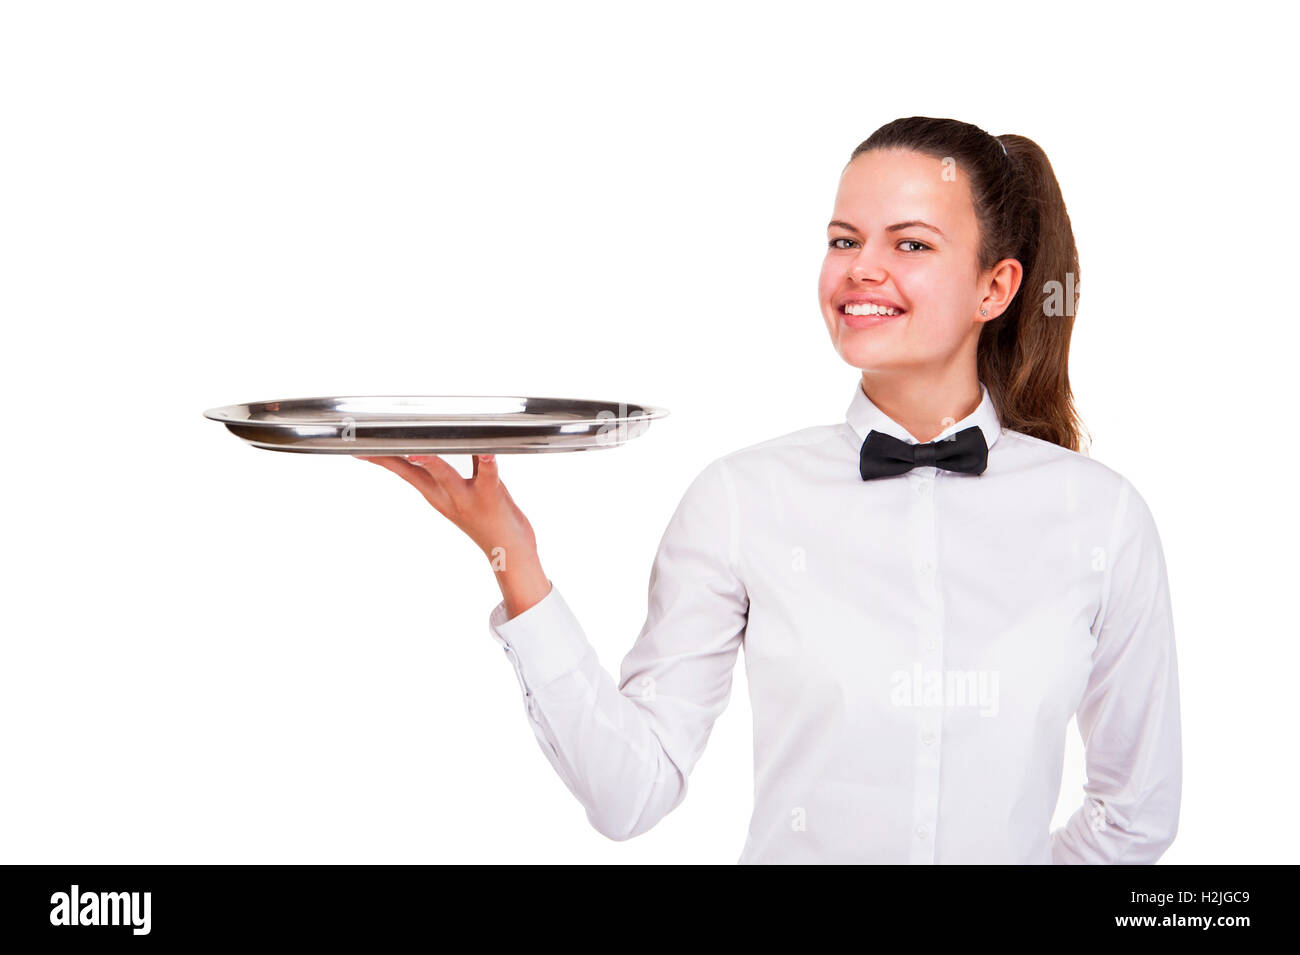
215, 414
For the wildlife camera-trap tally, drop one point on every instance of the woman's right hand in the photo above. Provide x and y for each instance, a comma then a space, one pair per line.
479, 505
482, 508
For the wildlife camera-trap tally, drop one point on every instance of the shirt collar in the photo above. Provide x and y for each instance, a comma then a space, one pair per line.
863, 417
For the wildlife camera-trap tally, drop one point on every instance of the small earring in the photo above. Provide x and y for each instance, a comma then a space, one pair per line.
984, 311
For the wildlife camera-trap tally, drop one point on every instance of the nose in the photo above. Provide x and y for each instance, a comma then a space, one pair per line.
865, 268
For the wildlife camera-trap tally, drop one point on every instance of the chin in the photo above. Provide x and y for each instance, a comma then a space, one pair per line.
865, 357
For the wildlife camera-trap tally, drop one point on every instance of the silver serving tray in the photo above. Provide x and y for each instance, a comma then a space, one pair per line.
435, 424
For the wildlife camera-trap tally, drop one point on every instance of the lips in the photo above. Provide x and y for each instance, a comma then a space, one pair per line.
869, 321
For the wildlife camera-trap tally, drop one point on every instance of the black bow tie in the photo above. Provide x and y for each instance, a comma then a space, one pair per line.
884, 455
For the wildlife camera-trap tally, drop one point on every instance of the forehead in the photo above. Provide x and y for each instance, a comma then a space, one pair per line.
884, 186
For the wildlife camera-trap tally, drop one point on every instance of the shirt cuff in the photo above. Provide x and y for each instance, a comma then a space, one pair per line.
545, 640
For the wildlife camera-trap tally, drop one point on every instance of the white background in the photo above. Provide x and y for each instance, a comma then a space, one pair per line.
213, 653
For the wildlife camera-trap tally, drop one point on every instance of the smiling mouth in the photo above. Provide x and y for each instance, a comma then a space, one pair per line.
864, 311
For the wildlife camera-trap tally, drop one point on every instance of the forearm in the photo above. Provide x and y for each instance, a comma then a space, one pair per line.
604, 744
1098, 833
625, 747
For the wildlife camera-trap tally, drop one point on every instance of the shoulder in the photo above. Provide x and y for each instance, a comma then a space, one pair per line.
1017, 452
1088, 481
784, 451
767, 464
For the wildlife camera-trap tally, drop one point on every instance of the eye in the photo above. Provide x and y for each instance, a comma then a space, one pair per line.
915, 242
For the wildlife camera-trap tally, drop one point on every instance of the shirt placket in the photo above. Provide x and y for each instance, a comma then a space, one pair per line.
929, 718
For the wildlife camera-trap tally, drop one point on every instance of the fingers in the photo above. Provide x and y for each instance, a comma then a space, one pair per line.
436, 491
484, 475
437, 468
485, 468
444, 475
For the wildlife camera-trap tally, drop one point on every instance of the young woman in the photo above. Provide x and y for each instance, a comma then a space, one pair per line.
926, 592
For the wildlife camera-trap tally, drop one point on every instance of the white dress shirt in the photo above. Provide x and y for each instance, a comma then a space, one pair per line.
915, 646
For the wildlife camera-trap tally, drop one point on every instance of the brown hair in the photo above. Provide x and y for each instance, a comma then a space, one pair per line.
1023, 355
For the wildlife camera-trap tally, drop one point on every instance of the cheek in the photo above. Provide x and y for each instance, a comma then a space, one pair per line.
828, 280
932, 291
921, 281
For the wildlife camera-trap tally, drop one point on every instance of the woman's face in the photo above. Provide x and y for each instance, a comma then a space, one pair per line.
879, 251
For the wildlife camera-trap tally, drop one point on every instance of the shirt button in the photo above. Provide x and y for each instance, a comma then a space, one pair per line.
931, 645
922, 832
927, 739
923, 488
926, 567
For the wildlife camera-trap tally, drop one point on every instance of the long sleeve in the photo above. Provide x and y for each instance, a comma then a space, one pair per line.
626, 750
1129, 713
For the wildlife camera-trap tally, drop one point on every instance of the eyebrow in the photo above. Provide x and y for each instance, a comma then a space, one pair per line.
896, 227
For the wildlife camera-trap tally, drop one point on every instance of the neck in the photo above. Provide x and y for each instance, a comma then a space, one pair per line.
923, 404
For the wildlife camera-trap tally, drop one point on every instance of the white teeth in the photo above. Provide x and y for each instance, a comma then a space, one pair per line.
869, 310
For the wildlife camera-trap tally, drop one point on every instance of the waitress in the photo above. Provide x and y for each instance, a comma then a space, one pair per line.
926, 591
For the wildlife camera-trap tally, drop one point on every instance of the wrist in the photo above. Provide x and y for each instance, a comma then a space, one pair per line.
521, 578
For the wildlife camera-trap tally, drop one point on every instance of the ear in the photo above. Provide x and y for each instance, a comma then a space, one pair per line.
1003, 282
